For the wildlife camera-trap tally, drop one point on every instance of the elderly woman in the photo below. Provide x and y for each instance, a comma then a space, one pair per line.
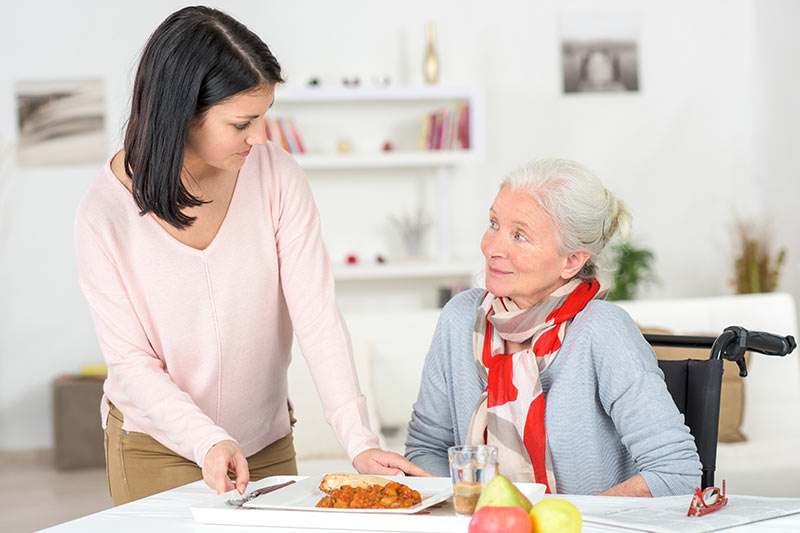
562, 382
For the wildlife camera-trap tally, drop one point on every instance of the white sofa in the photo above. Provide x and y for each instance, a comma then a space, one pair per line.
768, 463
390, 348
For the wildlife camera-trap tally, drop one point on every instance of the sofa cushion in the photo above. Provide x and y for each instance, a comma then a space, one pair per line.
399, 341
731, 407
313, 436
773, 384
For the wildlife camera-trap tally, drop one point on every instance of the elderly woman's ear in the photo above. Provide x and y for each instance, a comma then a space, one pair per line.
573, 264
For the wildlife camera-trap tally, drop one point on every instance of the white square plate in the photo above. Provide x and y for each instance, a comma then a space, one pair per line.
441, 517
304, 495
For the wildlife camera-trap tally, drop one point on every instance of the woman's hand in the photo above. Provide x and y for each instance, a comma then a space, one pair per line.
377, 461
223, 456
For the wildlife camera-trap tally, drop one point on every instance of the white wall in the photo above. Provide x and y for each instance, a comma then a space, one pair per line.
709, 134
776, 114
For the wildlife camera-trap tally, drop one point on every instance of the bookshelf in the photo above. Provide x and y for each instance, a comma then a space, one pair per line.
367, 117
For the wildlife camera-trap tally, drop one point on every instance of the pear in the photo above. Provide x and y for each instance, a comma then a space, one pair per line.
500, 492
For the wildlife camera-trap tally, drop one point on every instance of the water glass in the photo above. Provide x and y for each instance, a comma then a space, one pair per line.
471, 467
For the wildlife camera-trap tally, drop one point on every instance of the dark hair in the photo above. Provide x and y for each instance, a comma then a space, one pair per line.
196, 58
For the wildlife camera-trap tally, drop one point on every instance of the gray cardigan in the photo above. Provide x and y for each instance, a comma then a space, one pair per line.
608, 413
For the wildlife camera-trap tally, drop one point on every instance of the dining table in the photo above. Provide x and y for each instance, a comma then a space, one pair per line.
195, 508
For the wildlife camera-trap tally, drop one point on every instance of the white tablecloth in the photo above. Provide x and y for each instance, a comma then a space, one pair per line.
169, 511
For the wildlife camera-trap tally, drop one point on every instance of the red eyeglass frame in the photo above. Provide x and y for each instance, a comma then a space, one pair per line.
699, 507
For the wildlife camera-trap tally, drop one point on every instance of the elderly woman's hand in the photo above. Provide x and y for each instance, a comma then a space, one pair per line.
377, 461
223, 456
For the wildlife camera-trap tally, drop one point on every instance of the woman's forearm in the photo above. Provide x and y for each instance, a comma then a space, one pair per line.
635, 487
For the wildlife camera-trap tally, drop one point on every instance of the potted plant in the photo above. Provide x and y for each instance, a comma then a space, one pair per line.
634, 267
756, 267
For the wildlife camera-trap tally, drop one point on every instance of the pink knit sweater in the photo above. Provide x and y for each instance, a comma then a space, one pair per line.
198, 341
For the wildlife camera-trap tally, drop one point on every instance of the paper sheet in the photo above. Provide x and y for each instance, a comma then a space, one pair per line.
668, 515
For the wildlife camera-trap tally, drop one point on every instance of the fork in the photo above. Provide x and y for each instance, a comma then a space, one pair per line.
238, 502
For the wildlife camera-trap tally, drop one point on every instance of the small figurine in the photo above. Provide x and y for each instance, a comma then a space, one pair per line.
352, 259
387, 146
313, 81
344, 146
412, 229
352, 81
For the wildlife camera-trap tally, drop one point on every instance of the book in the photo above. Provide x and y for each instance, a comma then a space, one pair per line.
425, 132
289, 139
298, 139
437, 135
447, 119
269, 133
452, 134
463, 129
445, 129
432, 131
278, 135
275, 131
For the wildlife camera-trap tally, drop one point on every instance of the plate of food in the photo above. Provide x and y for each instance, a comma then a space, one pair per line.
357, 493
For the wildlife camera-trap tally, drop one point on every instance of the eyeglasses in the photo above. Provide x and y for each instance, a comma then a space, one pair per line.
707, 501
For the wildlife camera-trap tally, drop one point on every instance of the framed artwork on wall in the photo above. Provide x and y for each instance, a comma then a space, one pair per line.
599, 52
60, 122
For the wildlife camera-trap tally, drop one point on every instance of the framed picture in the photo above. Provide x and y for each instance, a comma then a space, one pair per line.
599, 52
61, 122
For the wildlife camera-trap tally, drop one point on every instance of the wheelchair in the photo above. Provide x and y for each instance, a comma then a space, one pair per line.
695, 385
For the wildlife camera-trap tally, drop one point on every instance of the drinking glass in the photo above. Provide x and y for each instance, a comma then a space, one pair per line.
471, 467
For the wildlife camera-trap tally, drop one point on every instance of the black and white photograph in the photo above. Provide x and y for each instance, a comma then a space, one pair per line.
61, 122
599, 52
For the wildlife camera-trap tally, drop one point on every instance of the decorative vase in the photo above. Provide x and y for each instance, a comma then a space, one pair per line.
412, 229
431, 65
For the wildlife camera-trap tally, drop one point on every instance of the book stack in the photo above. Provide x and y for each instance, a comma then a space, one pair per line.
446, 129
282, 131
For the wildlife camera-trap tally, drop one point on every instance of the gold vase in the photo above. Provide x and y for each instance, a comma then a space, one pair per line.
431, 65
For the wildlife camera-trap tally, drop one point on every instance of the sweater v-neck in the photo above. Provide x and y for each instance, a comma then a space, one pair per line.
153, 223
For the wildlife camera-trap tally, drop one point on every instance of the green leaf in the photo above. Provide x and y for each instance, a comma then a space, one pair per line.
634, 267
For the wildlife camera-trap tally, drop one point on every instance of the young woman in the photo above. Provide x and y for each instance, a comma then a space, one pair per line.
540, 366
199, 252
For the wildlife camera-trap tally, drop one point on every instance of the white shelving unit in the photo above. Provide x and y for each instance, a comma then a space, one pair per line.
419, 159
405, 270
398, 103
433, 93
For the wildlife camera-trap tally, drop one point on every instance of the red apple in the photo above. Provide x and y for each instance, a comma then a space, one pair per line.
500, 520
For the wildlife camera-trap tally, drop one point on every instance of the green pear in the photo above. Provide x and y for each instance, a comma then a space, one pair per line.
500, 492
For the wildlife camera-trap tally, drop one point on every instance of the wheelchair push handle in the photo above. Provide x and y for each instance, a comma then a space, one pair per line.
770, 344
735, 341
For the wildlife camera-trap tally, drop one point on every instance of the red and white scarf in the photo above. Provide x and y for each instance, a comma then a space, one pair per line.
510, 412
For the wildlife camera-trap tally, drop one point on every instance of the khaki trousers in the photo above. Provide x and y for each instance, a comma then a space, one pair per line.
138, 466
